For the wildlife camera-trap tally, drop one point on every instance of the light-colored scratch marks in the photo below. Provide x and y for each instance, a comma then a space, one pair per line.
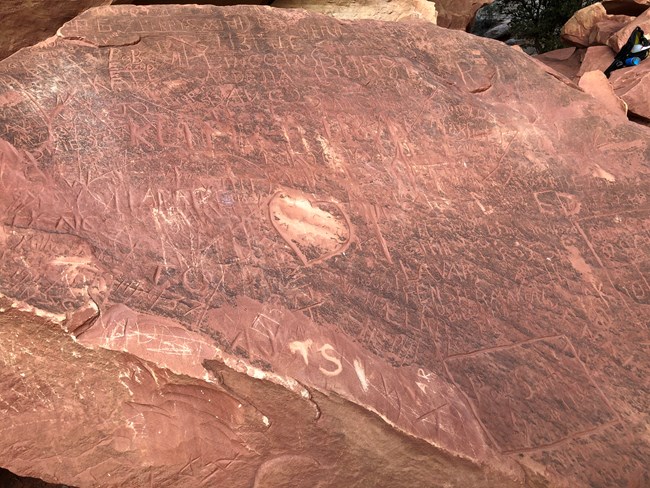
307, 224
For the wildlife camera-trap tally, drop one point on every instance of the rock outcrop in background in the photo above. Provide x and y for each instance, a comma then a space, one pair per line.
491, 23
458, 14
598, 32
392, 228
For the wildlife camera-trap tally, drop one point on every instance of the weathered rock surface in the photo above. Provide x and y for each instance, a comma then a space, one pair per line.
633, 86
396, 10
26, 23
596, 58
595, 83
566, 61
605, 29
367, 214
458, 14
577, 31
618, 40
103, 418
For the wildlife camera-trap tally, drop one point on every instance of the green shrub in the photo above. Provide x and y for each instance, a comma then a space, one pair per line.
538, 22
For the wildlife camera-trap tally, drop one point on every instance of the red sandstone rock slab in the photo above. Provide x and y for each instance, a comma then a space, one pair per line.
618, 40
378, 212
458, 14
596, 58
103, 418
26, 23
563, 54
605, 29
632, 86
597, 85
577, 31
564, 61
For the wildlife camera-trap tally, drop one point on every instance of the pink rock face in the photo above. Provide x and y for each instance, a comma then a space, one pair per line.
394, 11
26, 23
458, 14
577, 31
595, 83
605, 29
109, 419
596, 58
383, 218
564, 61
618, 40
632, 86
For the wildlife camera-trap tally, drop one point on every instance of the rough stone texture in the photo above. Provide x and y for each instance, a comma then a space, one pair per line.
618, 40
565, 61
596, 58
633, 86
630, 84
577, 31
595, 83
104, 418
605, 29
376, 217
458, 14
26, 23
396, 10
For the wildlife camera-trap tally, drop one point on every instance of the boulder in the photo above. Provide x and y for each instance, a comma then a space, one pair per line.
565, 61
595, 83
458, 14
396, 10
596, 58
605, 29
578, 29
618, 40
500, 32
633, 86
262, 247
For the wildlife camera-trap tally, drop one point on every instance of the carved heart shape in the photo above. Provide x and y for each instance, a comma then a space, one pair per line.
315, 230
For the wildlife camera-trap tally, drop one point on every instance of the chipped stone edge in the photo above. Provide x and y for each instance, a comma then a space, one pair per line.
238, 365
58, 318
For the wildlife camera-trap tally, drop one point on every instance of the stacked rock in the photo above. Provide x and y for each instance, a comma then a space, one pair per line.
596, 33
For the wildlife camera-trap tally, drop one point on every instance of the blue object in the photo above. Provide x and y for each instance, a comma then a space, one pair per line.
632, 61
